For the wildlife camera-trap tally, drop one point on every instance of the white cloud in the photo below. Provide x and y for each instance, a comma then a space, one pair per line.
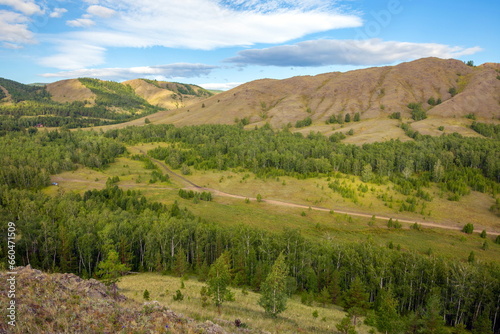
202, 24
14, 29
83, 22
74, 55
101, 11
11, 46
26, 7
178, 70
58, 12
347, 52
221, 86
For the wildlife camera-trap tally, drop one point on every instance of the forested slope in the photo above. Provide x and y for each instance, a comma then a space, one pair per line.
70, 103
73, 232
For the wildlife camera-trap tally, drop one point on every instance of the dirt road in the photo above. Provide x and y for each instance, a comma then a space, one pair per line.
216, 192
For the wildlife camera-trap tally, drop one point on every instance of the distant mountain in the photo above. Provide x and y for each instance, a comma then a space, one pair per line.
170, 95
89, 102
445, 88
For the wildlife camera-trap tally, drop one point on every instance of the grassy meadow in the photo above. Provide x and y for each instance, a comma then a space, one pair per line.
309, 193
297, 318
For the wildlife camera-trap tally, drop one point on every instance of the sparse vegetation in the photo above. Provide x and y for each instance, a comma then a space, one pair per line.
305, 122
417, 111
395, 115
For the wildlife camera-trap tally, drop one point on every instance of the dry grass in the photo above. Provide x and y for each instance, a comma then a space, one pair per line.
69, 91
296, 319
373, 92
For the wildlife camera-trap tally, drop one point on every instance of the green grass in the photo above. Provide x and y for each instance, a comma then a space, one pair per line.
297, 318
311, 192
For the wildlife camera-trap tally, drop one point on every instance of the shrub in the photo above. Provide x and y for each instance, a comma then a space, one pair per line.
417, 112
468, 228
470, 116
178, 296
303, 123
395, 115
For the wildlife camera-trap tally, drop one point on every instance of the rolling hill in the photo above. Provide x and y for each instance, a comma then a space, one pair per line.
445, 95
84, 102
446, 90
170, 95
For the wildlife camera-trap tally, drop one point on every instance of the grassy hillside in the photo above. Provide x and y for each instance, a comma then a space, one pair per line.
446, 90
70, 103
298, 317
170, 95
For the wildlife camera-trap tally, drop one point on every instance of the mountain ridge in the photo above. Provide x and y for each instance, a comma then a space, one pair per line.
373, 92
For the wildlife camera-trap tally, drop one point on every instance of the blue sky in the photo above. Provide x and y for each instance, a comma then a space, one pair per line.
219, 44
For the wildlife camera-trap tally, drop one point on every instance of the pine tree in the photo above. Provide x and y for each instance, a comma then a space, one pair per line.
345, 326
482, 325
145, 295
387, 317
274, 294
218, 281
433, 320
334, 288
180, 266
111, 270
356, 300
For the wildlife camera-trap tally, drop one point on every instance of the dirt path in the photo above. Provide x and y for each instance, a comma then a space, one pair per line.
216, 192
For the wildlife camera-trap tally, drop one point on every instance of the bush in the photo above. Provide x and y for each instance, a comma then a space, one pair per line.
468, 228
303, 123
178, 296
417, 112
145, 295
395, 115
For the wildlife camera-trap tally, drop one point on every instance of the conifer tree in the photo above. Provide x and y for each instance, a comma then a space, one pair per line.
388, 320
433, 320
274, 294
111, 270
219, 278
356, 300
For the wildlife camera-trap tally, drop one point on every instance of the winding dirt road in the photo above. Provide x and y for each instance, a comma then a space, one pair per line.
190, 184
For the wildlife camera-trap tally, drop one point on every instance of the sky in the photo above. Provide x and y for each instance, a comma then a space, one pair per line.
219, 44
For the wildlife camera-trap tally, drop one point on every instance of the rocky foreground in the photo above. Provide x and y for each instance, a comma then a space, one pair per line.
66, 303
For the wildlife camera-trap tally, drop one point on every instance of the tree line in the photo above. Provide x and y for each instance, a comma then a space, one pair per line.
454, 162
75, 233
28, 160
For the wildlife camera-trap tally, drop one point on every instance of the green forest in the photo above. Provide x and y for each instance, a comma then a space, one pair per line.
74, 232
